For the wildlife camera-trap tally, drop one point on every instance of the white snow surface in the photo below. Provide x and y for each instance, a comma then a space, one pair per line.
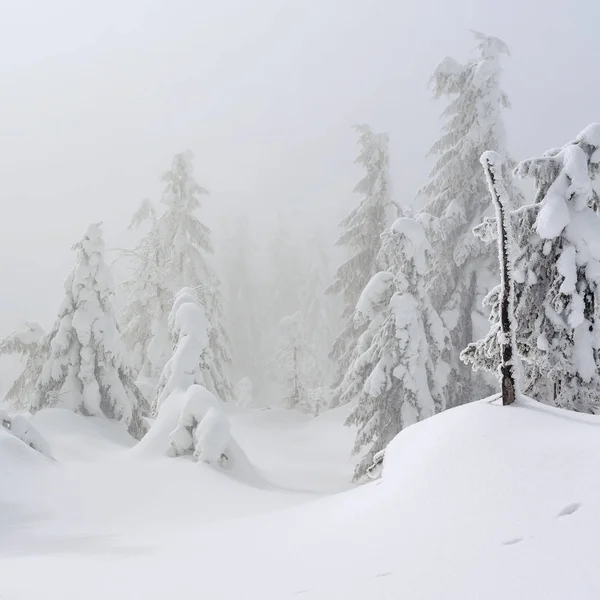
481, 501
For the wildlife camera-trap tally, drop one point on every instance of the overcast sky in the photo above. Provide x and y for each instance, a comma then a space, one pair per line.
96, 96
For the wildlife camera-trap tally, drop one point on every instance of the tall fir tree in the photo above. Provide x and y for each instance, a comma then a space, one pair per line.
556, 277
401, 373
86, 369
463, 269
173, 255
361, 236
148, 295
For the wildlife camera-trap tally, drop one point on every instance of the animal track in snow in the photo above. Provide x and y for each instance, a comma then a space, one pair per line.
512, 542
569, 509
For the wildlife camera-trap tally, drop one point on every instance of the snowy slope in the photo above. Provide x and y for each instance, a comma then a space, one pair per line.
482, 501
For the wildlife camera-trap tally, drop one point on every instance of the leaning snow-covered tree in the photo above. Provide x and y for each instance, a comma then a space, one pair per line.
556, 277
403, 367
463, 269
292, 364
192, 360
31, 344
361, 236
86, 369
175, 254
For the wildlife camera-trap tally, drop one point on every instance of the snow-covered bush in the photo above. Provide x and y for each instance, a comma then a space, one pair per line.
22, 428
86, 368
244, 392
463, 269
402, 373
319, 400
203, 429
31, 343
556, 278
194, 423
192, 360
361, 236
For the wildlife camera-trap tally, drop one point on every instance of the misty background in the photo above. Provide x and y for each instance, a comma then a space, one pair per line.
98, 96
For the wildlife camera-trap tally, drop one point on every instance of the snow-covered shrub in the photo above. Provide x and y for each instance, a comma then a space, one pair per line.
556, 278
193, 424
376, 468
244, 392
203, 431
86, 367
319, 399
402, 373
361, 236
22, 428
463, 269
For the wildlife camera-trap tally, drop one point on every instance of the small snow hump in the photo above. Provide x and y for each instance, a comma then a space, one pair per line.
569, 510
513, 541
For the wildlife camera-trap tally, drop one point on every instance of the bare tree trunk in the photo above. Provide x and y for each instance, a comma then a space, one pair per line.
493, 169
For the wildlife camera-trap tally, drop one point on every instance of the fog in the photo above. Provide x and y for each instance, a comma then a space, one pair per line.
97, 97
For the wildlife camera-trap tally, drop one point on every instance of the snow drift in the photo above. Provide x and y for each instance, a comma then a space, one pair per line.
481, 501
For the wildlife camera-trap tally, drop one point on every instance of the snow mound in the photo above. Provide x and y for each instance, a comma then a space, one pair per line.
84, 439
23, 429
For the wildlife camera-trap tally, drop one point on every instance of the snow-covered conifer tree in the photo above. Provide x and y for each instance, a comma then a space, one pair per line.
174, 255
31, 344
463, 269
86, 368
361, 236
291, 364
319, 315
556, 277
402, 369
192, 360
245, 308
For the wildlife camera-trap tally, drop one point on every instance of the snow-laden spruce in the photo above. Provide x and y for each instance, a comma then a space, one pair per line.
292, 364
173, 255
556, 277
31, 344
192, 361
463, 269
86, 367
361, 236
402, 369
